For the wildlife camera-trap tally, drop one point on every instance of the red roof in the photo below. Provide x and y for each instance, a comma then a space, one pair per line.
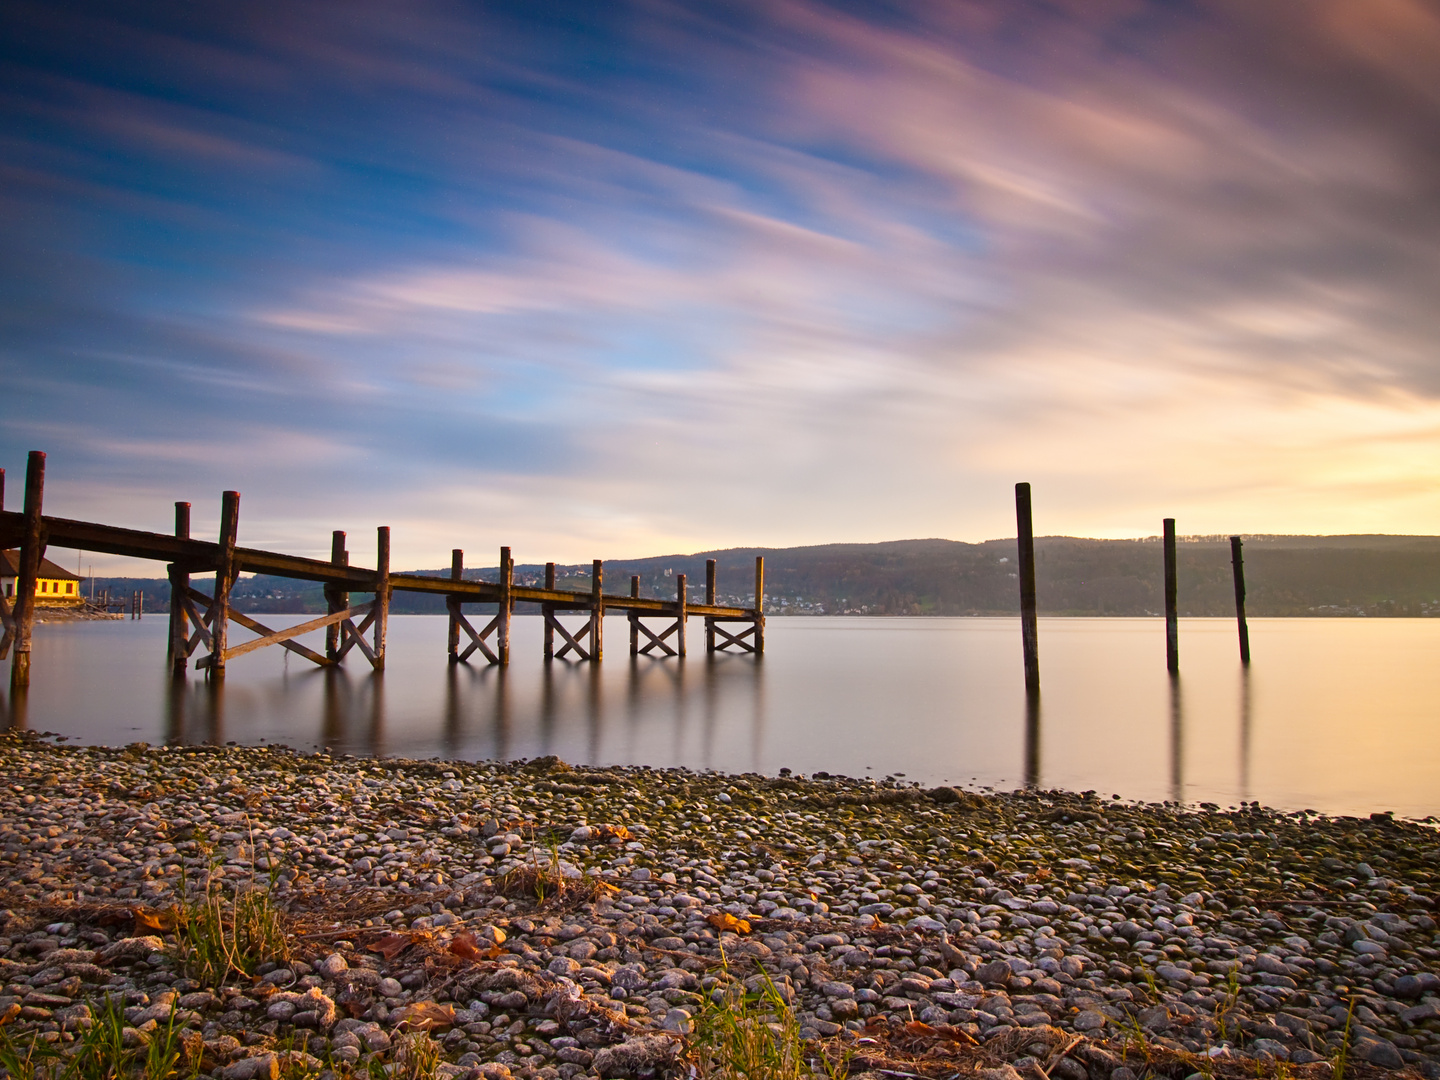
10, 567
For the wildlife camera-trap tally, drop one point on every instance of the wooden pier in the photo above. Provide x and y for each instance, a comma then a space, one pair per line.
199, 621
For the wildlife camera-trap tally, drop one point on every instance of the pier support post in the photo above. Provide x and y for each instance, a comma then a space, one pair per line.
382, 593
1172, 617
1238, 565
759, 605
710, 600
336, 598
547, 612
178, 652
32, 550
597, 611
502, 627
634, 617
1029, 624
225, 573
680, 599
452, 604
7, 625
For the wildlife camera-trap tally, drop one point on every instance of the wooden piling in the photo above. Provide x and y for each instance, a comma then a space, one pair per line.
7, 627
547, 612
633, 617
452, 604
1025, 565
1172, 616
710, 600
382, 594
336, 598
680, 599
178, 652
1237, 564
225, 571
597, 611
759, 604
502, 626
32, 550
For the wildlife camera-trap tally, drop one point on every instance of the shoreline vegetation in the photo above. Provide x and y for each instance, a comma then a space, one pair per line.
1286, 576
249, 912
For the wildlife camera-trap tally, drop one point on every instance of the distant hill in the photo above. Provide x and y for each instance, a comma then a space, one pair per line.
1285, 575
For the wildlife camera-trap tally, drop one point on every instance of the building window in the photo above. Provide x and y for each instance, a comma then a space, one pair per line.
69, 587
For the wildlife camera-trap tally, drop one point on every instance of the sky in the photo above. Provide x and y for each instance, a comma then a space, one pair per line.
625, 279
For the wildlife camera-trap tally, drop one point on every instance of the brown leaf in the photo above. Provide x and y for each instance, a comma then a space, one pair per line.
723, 920
915, 1027
392, 945
11, 1013
150, 919
425, 1015
469, 947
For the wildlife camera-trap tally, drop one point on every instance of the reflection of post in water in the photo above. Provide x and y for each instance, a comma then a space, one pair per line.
175, 710
452, 708
213, 692
499, 673
17, 712
1032, 738
1177, 739
712, 699
595, 710
757, 723
1245, 733
334, 715
377, 714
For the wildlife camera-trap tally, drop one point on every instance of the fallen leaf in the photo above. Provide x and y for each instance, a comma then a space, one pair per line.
469, 947
425, 1015
915, 1027
151, 919
723, 920
391, 945
11, 1013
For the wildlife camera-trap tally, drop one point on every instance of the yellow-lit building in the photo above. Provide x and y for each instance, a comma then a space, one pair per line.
54, 587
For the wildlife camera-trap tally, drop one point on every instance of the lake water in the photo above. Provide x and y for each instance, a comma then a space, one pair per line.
1337, 715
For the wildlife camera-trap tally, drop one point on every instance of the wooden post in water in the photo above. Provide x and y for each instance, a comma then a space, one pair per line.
7, 627
224, 579
32, 550
1237, 564
680, 599
179, 649
634, 618
382, 593
547, 612
759, 605
336, 598
502, 627
710, 599
1172, 616
597, 611
452, 604
1029, 624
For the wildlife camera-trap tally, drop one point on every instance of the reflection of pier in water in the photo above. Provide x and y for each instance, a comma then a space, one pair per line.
478, 717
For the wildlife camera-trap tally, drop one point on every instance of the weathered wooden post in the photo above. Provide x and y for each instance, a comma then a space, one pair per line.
225, 573
597, 611
710, 599
547, 612
1238, 566
634, 616
178, 652
32, 550
452, 604
1172, 617
502, 626
759, 604
336, 598
382, 593
680, 616
1029, 624
7, 627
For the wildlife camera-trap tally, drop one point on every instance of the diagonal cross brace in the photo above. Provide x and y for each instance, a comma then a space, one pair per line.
733, 639
587, 632
657, 641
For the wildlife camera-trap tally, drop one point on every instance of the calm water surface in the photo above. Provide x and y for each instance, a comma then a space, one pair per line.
1338, 715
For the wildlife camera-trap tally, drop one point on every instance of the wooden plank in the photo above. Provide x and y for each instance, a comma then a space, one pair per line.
282, 637
1029, 627
381, 610
336, 596
226, 570
32, 550
452, 604
1172, 618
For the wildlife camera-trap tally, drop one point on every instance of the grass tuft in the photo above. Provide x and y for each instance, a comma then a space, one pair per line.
222, 934
753, 1036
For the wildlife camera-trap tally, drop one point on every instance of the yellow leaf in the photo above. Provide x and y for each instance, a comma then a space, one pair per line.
723, 920
425, 1015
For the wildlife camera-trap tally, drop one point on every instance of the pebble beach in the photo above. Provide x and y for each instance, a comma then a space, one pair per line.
538, 920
